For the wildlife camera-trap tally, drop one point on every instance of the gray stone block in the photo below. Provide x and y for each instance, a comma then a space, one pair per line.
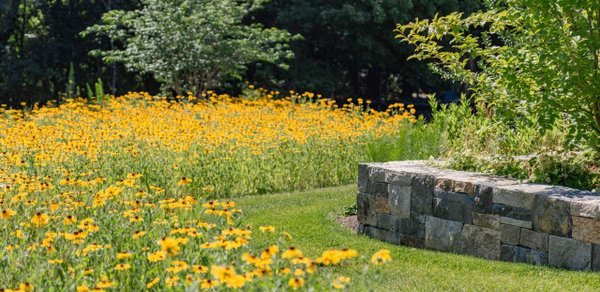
414, 226
551, 215
482, 201
595, 257
453, 206
518, 254
399, 200
402, 179
511, 212
589, 208
521, 195
386, 222
379, 189
510, 234
586, 229
535, 240
387, 236
451, 184
363, 182
520, 223
486, 220
366, 209
412, 241
421, 196
480, 241
569, 253
443, 235
377, 174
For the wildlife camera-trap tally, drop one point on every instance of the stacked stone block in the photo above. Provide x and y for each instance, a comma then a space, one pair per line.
492, 217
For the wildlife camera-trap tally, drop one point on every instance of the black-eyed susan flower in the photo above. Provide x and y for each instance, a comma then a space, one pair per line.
381, 256
138, 234
296, 283
7, 213
291, 252
40, 219
26, 286
69, 219
184, 181
123, 255
208, 283
152, 283
267, 228
121, 267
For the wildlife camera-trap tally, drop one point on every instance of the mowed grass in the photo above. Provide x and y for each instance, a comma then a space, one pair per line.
310, 217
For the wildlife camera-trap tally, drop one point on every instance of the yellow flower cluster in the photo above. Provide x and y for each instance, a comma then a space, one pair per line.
107, 197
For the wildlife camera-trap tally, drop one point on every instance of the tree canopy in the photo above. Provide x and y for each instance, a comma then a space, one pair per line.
190, 45
533, 57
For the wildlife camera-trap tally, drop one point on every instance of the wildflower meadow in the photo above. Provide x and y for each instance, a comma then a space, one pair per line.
133, 192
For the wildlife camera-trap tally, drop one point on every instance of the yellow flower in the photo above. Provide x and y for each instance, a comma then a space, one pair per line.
270, 251
56, 261
26, 286
122, 267
105, 284
170, 246
138, 234
199, 269
69, 220
40, 219
152, 283
157, 256
296, 283
124, 255
208, 283
184, 181
291, 252
171, 281
134, 175
381, 256
267, 228
83, 288
7, 213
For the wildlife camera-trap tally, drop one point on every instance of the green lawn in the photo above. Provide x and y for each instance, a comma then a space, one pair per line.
310, 217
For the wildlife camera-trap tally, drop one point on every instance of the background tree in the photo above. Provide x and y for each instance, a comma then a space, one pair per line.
39, 40
349, 49
190, 45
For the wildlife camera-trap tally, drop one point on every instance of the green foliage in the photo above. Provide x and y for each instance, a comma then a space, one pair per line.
190, 45
350, 210
565, 169
420, 141
531, 57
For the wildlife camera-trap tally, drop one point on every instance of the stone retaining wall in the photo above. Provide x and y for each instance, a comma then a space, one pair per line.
410, 203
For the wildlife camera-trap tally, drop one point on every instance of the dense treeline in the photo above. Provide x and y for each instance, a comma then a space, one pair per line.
347, 49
